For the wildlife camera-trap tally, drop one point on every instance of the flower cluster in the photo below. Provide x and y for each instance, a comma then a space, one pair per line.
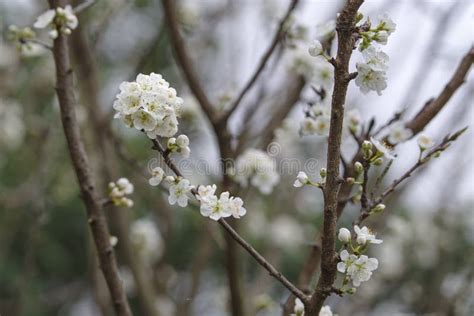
299, 309
118, 191
258, 167
149, 104
147, 240
356, 266
218, 207
57, 20
372, 72
180, 145
179, 191
316, 70
317, 120
302, 179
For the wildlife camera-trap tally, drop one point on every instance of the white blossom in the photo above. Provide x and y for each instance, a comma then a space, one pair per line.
381, 37
358, 268
157, 175
298, 310
323, 72
386, 24
180, 145
216, 208
370, 80
383, 149
425, 142
376, 59
301, 179
364, 235
57, 20
118, 191
258, 167
146, 239
361, 269
325, 311
149, 104
205, 191
315, 49
179, 191
344, 235
318, 125
399, 133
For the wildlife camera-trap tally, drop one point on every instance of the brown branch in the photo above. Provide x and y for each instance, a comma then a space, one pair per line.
244, 244
184, 61
432, 108
345, 28
89, 85
95, 215
345, 190
280, 33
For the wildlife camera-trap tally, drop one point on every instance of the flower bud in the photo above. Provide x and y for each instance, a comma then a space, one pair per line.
350, 180
351, 290
366, 145
378, 208
344, 235
378, 162
323, 173
358, 167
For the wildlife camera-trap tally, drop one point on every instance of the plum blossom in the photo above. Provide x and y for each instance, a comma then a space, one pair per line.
157, 175
326, 311
383, 149
370, 80
179, 191
357, 268
118, 191
364, 235
425, 142
57, 20
375, 59
180, 145
301, 179
361, 269
149, 104
399, 133
298, 310
258, 167
218, 207
344, 235
386, 24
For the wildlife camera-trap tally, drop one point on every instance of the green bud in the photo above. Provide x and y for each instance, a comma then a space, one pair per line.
366, 145
378, 208
323, 173
358, 168
437, 154
378, 162
359, 17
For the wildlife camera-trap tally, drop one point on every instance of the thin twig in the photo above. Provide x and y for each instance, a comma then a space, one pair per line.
254, 253
184, 61
83, 6
390, 189
263, 61
95, 214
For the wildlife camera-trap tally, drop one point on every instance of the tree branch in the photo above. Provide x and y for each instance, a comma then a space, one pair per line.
433, 107
345, 28
263, 61
184, 61
96, 218
244, 244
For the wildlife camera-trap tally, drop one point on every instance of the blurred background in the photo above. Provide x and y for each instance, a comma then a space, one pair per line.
171, 259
